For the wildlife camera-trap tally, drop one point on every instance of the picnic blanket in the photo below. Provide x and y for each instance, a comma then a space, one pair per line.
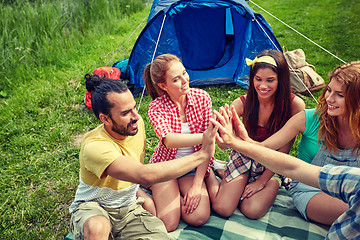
282, 221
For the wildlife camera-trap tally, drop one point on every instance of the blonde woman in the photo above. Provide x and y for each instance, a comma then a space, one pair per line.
179, 115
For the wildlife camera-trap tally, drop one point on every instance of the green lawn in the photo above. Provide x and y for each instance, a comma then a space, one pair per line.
48, 46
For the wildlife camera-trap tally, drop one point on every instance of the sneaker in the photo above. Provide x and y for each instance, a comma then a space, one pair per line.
286, 182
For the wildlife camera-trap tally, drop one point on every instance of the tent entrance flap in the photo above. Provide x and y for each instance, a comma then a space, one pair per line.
202, 37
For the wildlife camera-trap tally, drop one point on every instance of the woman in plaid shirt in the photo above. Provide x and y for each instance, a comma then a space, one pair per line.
179, 115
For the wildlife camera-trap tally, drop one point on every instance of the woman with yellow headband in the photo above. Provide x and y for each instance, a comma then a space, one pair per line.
265, 108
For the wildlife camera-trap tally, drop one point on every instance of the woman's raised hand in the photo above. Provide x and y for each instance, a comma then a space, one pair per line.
222, 120
208, 139
230, 127
238, 126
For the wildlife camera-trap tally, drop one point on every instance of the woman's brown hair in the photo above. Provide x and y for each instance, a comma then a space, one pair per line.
282, 103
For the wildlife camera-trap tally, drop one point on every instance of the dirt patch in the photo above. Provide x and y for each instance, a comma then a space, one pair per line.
78, 139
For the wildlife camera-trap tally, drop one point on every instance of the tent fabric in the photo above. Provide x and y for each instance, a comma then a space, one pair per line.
211, 37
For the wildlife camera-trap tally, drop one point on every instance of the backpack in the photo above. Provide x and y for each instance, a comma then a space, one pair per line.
303, 77
123, 65
102, 72
107, 72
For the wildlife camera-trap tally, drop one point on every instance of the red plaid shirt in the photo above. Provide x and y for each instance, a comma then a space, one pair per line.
164, 116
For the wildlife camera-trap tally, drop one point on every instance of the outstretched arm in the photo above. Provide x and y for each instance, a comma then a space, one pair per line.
128, 169
282, 139
295, 125
276, 161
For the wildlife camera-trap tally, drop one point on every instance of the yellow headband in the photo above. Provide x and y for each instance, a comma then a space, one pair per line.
264, 59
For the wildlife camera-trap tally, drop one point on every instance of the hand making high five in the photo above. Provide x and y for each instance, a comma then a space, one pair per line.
230, 127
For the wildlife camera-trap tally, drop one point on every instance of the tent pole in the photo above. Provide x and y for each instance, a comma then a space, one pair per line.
298, 77
152, 59
267, 35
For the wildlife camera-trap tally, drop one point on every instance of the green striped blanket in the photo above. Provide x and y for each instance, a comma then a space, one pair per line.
282, 221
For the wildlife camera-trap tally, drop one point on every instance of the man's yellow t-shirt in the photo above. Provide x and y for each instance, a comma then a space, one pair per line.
98, 151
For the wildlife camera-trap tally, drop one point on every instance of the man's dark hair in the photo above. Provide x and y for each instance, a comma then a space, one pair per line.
100, 88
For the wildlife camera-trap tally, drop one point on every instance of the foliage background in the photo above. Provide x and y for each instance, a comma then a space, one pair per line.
48, 46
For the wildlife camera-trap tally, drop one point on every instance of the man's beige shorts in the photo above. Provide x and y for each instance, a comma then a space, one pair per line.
132, 222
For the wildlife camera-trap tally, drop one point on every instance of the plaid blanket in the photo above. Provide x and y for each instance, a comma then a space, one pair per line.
282, 221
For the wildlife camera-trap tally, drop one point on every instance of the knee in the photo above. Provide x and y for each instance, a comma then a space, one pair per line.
252, 212
198, 219
96, 226
170, 224
223, 210
149, 206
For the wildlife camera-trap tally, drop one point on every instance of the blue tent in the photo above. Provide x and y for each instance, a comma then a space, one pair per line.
211, 37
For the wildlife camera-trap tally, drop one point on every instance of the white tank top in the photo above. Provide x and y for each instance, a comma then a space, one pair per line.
185, 129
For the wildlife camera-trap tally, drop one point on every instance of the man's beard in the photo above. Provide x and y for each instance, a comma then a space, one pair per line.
124, 131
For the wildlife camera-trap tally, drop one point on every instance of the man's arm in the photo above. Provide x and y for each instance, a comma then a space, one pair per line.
128, 169
180, 140
276, 161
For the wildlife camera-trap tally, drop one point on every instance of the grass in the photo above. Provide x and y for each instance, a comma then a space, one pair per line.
42, 112
36, 33
334, 25
48, 46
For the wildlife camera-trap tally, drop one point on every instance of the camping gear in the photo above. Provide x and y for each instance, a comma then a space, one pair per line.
108, 72
122, 65
211, 37
102, 72
303, 77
